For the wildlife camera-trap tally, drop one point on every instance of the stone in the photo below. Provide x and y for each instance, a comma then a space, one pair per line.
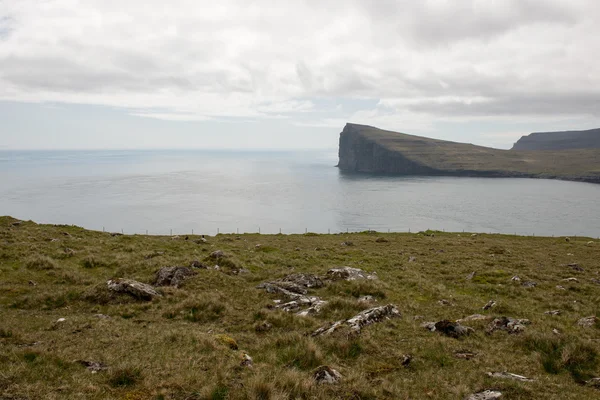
32, 283
465, 354
571, 280
452, 329
199, 265
510, 325
444, 302
381, 240
567, 239
288, 289
474, 317
215, 255
304, 280
489, 305
102, 316
594, 382
246, 360
326, 375
348, 274
172, 276
412, 259
133, 288
61, 320
360, 320
485, 395
471, 276
552, 312
406, 360
430, 326
93, 366
313, 304
263, 327
368, 299
559, 287
588, 322
515, 278
508, 375
529, 284
590, 243
347, 243
556, 331
575, 267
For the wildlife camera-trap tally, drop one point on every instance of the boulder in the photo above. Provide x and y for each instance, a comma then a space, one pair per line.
529, 284
381, 240
172, 276
452, 329
348, 274
489, 305
133, 288
485, 395
246, 360
199, 265
304, 280
510, 325
465, 354
215, 255
93, 366
326, 375
360, 320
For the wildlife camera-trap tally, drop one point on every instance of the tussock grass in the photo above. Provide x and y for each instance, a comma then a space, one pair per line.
173, 347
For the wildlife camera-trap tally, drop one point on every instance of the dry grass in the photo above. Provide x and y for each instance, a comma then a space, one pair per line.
189, 343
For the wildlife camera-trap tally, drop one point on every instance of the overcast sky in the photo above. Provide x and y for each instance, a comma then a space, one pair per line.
290, 74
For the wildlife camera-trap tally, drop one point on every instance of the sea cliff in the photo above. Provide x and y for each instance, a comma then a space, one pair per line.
367, 149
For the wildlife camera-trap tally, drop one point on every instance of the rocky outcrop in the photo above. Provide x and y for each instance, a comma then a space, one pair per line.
588, 139
172, 276
364, 318
138, 290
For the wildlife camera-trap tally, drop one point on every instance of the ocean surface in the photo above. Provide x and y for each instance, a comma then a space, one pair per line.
247, 191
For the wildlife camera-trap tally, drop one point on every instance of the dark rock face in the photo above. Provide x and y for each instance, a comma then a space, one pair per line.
589, 139
172, 276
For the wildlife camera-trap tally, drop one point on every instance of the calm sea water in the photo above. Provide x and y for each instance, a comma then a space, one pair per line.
231, 191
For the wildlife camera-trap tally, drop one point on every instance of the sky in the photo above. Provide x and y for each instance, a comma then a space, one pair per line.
107, 74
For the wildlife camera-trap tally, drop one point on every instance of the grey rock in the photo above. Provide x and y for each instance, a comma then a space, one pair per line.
575, 267
552, 312
515, 278
362, 319
508, 375
412, 259
304, 280
489, 305
347, 243
199, 265
133, 288
444, 302
452, 329
571, 280
529, 284
510, 325
215, 255
326, 375
485, 395
588, 322
465, 354
594, 382
430, 326
471, 276
367, 299
172, 276
247, 361
406, 360
348, 274
474, 317
93, 366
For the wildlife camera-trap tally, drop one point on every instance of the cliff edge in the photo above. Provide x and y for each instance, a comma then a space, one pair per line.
368, 149
589, 139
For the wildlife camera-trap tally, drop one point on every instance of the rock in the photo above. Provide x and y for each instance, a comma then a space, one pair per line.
347, 243
590, 243
381, 240
305, 280
452, 329
406, 360
16, 223
588, 322
444, 302
594, 382
510, 325
101, 316
471, 276
58, 321
288, 289
465, 354
596, 281
116, 234
199, 265
93, 366
215, 255
473, 235
559, 287
529, 284
32, 283
69, 252
575, 267
367, 299
263, 327
571, 280
556, 331
412, 259
485, 395
133, 288
227, 340
313, 303
508, 375
515, 278
552, 312
360, 320
172, 276
430, 326
348, 274
326, 375
246, 360
474, 317
489, 305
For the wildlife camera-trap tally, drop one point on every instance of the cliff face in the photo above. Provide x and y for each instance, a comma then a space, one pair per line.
589, 139
371, 150
358, 153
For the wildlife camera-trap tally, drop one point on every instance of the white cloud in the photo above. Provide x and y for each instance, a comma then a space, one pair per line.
197, 60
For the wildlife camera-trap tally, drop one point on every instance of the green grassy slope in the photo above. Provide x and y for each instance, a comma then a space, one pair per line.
455, 157
172, 347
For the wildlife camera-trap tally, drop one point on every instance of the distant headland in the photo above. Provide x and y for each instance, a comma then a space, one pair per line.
573, 155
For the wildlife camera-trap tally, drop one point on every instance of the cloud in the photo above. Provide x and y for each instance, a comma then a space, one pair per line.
199, 60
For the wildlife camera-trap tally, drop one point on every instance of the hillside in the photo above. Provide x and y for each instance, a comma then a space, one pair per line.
589, 139
369, 149
94, 315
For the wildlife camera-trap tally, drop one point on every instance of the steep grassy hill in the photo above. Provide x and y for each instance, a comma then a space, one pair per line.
368, 149
59, 322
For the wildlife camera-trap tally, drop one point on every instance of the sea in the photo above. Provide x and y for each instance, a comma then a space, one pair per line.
225, 191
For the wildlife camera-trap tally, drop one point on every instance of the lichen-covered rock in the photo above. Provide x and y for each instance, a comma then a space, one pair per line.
326, 375
510, 325
588, 322
304, 280
489, 305
288, 289
303, 305
215, 255
360, 320
172, 276
474, 317
133, 288
348, 274
485, 395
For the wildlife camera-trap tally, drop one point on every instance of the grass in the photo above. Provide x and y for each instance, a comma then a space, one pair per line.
189, 343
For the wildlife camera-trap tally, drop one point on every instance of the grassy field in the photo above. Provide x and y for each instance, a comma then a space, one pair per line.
190, 342
452, 156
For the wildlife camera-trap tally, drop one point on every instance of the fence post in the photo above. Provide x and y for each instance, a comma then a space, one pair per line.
122, 231
146, 232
